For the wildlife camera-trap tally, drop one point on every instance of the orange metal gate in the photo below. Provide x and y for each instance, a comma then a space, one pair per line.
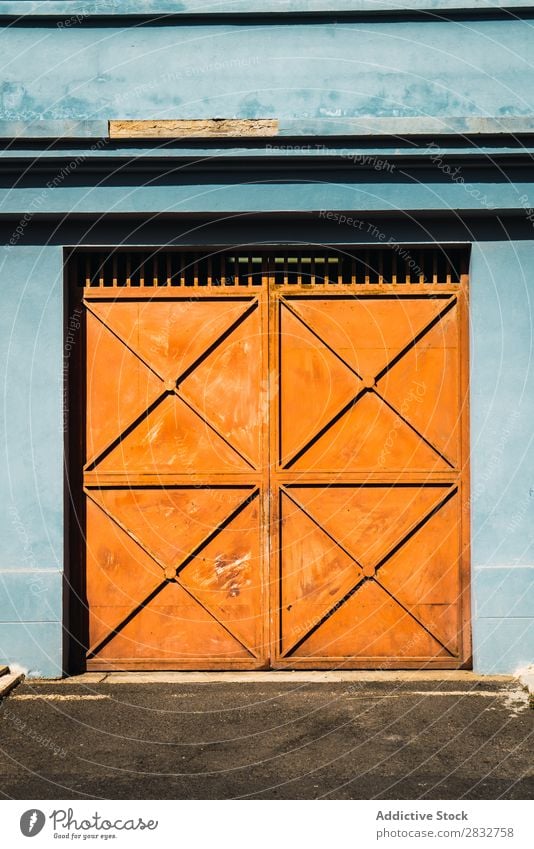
276, 461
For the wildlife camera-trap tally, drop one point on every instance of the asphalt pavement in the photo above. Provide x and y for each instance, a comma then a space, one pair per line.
439, 739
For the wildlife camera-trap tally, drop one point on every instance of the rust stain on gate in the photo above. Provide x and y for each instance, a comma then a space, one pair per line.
275, 466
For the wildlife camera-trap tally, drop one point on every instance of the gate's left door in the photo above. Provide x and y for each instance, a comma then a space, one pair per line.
174, 487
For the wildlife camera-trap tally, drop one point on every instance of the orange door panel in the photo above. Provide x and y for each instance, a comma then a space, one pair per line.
367, 487
174, 483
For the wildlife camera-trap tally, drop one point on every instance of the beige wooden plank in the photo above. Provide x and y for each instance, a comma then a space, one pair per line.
212, 127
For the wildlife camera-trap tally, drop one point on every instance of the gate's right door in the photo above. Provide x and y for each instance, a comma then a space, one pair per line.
370, 517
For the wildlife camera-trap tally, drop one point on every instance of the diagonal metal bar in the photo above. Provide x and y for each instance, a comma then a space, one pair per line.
99, 456
288, 306
413, 529
321, 620
413, 616
100, 644
436, 507
211, 613
451, 302
90, 465
220, 527
207, 539
124, 529
122, 341
412, 427
320, 433
212, 427
197, 551
224, 335
287, 464
338, 603
315, 522
228, 519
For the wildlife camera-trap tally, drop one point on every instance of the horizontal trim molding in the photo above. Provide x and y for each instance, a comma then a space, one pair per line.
330, 155
403, 127
52, 130
356, 128
72, 9
288, 192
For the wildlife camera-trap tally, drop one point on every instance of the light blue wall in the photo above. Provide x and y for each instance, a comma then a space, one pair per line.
31, 479
181, 9
502, 406
279, 70
290, 192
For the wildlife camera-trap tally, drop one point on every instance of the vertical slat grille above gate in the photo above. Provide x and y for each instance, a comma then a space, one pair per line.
394, 266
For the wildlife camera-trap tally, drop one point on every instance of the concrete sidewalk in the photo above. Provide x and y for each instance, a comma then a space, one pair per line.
335, 676
303, 735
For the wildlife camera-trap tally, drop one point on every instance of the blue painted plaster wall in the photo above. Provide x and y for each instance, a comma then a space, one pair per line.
502, 502
268, 70
237, 8
31, 478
